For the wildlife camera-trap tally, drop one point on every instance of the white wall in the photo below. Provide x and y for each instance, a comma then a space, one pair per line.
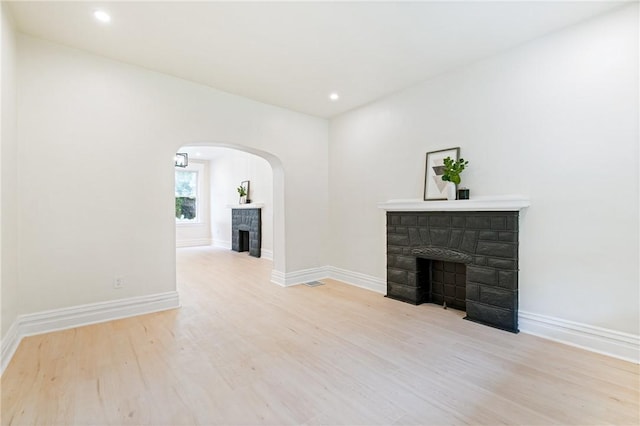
198, 233
228, 170
80, 117
556, 120
8, 176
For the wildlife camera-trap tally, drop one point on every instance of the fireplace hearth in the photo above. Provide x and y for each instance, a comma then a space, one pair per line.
468, 259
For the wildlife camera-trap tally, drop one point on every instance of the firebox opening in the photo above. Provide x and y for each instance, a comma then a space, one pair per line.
244, 241
445, 281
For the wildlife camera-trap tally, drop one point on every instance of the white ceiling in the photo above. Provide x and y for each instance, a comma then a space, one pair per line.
205, 153
293, 54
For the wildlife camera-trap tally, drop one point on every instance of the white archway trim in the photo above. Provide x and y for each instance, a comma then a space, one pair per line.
278, 253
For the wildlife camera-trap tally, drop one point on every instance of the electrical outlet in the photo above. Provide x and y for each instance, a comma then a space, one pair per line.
118, 283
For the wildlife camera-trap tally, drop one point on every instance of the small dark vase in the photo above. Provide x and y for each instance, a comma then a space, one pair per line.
463, 194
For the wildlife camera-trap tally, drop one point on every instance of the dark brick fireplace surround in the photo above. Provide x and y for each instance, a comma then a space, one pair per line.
246, 230
486, 242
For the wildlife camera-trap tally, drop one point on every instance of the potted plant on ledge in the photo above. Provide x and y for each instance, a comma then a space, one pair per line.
452, 170
243, 194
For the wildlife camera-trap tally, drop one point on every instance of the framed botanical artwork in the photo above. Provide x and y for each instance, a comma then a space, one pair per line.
434, 186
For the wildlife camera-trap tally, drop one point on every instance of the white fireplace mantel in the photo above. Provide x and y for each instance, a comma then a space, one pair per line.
245, 206
475, 204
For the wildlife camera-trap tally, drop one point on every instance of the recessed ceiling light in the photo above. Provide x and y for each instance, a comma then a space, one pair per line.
334, 96
102, 16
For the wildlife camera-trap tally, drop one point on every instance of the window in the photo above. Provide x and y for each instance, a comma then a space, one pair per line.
187, 196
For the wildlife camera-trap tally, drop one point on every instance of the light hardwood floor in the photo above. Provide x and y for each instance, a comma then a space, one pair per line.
244, 351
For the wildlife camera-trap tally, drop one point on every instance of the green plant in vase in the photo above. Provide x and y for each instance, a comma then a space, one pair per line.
452, 170
243, 194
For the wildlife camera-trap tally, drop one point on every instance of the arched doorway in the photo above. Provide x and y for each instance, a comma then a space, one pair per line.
277, 196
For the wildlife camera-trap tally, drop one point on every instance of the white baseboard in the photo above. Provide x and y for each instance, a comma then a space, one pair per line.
277, 277
305, 275
266, 254
222, 244
195, 242
357, 279
596, 339
76, 316
298, 277
9, 345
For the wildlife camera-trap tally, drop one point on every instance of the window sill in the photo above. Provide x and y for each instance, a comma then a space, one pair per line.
189, 224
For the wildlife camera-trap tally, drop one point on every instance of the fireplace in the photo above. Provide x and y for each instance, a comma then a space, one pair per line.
451, 254
246, 230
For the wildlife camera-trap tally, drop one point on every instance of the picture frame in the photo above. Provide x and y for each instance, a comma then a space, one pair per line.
245, 185
434, 186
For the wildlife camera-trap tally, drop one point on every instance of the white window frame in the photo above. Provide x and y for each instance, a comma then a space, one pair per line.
198, 168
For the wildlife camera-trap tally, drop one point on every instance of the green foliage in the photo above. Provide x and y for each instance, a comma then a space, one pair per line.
185, 208
179, 203
452, 170
186, 193
242, 191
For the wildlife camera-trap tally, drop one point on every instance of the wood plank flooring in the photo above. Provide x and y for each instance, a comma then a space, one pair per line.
242, 350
